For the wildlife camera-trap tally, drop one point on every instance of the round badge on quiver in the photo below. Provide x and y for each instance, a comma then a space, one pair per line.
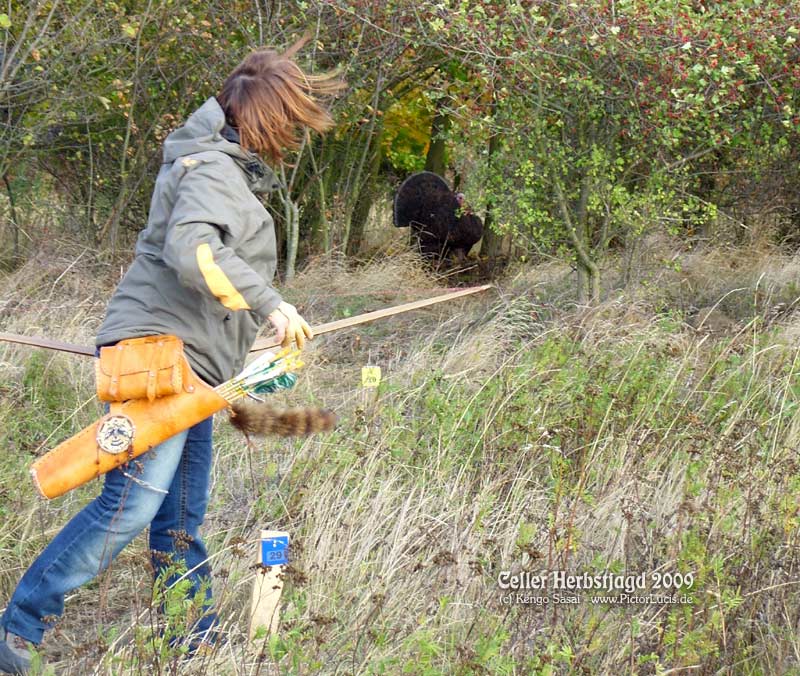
115, 434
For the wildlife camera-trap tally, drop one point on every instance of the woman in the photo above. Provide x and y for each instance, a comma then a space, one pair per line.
202, 272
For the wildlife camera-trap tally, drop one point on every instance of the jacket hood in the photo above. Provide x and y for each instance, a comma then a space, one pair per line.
202, 132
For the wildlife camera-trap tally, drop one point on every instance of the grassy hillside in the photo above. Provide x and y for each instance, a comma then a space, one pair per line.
511, 432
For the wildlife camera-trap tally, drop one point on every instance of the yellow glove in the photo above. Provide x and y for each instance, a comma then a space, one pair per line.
290, 326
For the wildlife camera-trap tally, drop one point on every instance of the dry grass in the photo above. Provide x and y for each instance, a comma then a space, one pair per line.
512, 431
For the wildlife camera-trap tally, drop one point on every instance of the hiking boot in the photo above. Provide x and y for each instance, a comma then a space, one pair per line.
15, 653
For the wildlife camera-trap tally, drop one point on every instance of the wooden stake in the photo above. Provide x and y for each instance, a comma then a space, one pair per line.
370, 380
265, 606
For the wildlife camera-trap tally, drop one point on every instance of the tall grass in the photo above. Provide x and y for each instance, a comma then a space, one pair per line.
509, 433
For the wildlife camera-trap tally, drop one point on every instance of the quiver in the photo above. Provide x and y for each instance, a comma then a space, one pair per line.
126, 432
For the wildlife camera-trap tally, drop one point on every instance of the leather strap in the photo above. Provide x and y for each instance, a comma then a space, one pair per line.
153, 370
113, 387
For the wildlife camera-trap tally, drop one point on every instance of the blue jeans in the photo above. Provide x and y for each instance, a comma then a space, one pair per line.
167, 489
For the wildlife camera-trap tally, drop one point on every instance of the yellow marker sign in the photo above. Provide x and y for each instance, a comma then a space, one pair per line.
370, 376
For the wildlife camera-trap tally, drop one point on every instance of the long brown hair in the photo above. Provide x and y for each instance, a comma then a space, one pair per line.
269, 99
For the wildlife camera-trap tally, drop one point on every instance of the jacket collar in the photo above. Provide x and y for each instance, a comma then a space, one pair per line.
206, 129
260, 177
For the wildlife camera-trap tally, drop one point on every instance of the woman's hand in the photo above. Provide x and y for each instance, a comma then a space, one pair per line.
290, 326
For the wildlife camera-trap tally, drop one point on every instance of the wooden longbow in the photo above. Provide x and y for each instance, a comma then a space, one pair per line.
265, 343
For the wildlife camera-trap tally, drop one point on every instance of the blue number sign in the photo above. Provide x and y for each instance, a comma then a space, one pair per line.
275, 551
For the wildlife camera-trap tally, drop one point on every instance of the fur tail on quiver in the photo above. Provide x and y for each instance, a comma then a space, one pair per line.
256, 419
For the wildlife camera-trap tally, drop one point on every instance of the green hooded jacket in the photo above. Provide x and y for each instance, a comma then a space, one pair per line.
205, 262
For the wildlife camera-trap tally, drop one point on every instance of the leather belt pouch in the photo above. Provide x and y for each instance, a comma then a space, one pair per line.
142, 368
